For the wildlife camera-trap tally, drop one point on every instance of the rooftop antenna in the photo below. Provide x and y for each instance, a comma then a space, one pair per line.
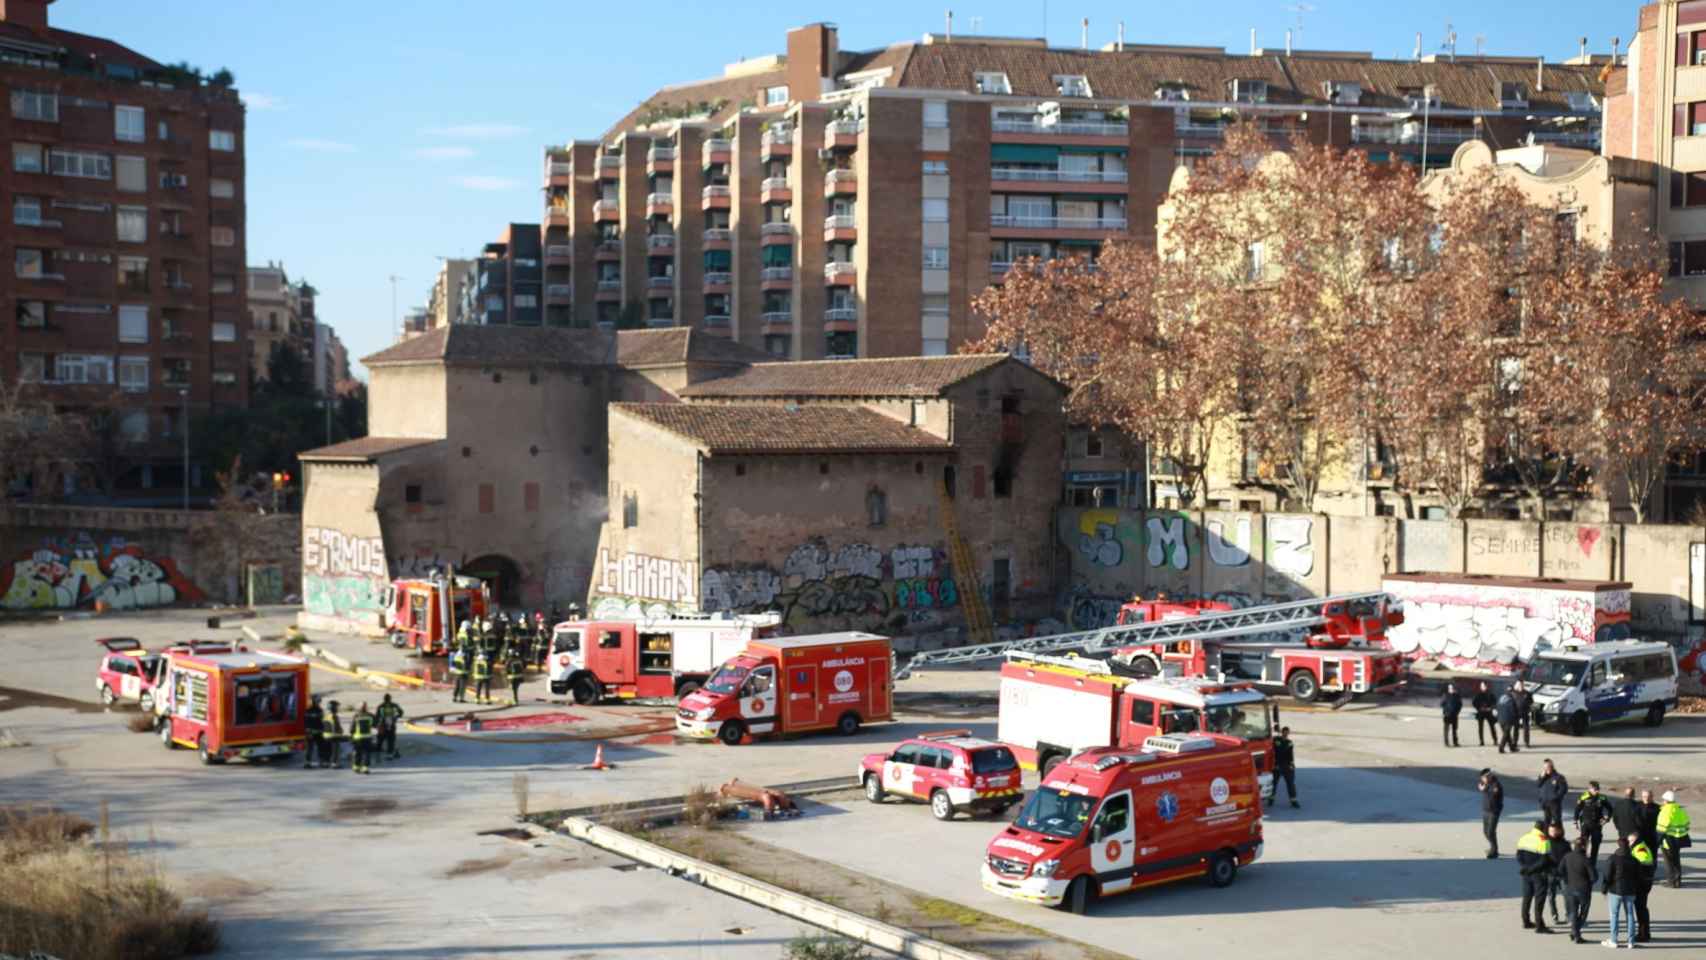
1300, 9
1450, 42
1418, 55
1252, 41
1480, 44
949, 36
1119, 36
1084, 35
1616, 42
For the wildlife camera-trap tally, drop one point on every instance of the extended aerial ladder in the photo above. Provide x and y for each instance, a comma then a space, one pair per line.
1297, 615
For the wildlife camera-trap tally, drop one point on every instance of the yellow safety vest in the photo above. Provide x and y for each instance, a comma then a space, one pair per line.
482, 669
1642, 854
1534, 842
362, 728
1673, 820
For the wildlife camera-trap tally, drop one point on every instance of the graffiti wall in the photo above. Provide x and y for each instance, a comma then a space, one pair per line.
343, 575
853, 586
1495, 624
82, 570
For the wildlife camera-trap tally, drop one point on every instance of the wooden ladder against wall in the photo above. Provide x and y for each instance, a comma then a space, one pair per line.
965, 569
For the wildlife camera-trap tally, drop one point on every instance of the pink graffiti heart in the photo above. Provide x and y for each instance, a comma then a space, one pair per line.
1586, 537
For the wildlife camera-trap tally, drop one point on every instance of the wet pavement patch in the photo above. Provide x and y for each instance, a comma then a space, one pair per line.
11, 698
625, 867
526, 721
508, 833
465, 868
351, 808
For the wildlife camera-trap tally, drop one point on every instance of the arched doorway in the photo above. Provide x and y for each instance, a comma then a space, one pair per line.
499, 571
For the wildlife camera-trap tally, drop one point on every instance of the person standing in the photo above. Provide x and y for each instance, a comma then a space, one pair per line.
332, 737
386, 718
1646, 866
1553, 789
1578, 875
313, 719
1507, 711
482, 678
1673, 837
459, 671
361, 740
1524, 711
1485, 704
1619, 882
1626, 813
1450, 706
515, 670
1559, 849
1534, 864
1593, 809
1649, 820
1492, 805
1285, 764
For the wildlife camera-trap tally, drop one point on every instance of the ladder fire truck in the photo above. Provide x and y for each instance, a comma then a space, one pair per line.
1341, 651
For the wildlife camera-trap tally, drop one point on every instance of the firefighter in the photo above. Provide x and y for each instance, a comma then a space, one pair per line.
1534, 861
312, 719
536, 651
1593, 809
515, 671
459, 669
331, 738
387, 716
1646, 866
1673, 836
482, 678
488, 637
361, 739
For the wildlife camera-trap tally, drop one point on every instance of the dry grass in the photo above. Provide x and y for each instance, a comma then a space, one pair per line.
701, 807
140, 723
65, 897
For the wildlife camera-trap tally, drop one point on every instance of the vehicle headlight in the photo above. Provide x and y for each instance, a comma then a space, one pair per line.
704, 714
1045, 868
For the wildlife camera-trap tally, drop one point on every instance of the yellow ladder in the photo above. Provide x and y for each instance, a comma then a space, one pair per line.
965, 569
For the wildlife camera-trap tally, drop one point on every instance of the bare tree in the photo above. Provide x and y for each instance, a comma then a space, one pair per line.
39, 446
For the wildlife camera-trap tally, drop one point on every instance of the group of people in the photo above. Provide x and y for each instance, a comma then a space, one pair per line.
372, 734
1505, 716
1551, 865
483, 644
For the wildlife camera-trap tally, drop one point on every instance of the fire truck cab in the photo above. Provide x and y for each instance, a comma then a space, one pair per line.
1114, 820
417, 616
595, 659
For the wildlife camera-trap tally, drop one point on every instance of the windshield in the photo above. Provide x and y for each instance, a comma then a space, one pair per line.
1247, 721
1054, 813
727, 679
1545, 671
993, 760
566, 641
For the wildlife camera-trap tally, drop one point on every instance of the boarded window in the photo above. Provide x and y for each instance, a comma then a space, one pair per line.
977, 482
530, 497
487, 496
630, 510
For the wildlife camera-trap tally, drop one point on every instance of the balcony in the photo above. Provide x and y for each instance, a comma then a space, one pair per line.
841, 183
665, 283
661, 243
714, 151
608, 250
1411, 132
1205, 131
841, 226
773, 319
659, 205
176, 288
840, 273
1022, 175
1107, 129
559, 253
843, 132
778, 141
556, 215
660, 159
610, 290
998, 269
775, 190
1568, 138
776, 278
610, 167
997, 220
559, 293
717, 321
606, 211
718, 281
776, 233
715, 197
717, 238
557, 174
843, 318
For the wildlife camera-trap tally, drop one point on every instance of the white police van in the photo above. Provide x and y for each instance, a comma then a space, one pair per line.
1586, 684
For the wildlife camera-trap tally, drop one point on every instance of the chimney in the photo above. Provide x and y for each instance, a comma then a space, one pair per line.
1252, 41
1119, 36
1418, 44
1288, 43
1539, 74
811, 64
949, 35
1084, 36
25, 13
1584, 49
1615, 43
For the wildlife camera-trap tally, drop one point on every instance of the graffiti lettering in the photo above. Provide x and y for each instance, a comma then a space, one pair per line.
1496, 627
333, 553
1167, 542
908, 562
1290, 549
1098, 538
341, 596
922, 593
1229, 553
648, 578
739, 590
80, 572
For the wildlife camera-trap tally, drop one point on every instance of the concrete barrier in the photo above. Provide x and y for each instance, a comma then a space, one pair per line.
877, 934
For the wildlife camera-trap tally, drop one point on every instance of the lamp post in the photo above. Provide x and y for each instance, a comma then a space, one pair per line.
184, 399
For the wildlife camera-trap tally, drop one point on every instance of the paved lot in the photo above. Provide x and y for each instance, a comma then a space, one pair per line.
1389, 828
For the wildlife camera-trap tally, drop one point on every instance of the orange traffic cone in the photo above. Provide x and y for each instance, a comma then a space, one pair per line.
598, 760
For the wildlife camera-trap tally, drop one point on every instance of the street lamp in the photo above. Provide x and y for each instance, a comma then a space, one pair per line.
184, 400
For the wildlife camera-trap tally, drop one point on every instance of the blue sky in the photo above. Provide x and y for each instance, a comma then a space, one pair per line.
382, 135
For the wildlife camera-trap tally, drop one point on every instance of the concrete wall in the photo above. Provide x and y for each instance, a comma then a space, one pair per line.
651, 568
406, 401
70, 558
1248, 558
344, 566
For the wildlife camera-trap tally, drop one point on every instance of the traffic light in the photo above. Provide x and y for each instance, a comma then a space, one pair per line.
280, 481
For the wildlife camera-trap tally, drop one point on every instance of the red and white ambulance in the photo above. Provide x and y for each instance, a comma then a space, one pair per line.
1116, 820
127, 672
952, 770
233, 704
595, 659
794, 685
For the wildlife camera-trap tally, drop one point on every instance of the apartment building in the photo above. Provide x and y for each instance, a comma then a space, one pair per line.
822, 203
280, 314
125, 182
507, 280
452, 290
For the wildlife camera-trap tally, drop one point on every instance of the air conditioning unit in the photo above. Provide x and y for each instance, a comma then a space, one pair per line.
1172, 92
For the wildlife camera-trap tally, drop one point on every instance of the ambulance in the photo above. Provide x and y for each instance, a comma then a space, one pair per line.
233, 704
1117, 819
595, 659
788, 685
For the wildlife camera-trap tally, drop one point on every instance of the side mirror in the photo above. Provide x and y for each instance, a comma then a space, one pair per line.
1096, 833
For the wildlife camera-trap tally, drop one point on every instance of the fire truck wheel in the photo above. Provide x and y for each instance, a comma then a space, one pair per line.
848, 725
1144, 666
146, 701
1579, 723
1049, 763
201, 749
107, 697
1222, 869
585, 690
398, 640
940, 806
874, 788
166, 733
687, 687
1302, 685
731, 732
1077, 899
1655, 714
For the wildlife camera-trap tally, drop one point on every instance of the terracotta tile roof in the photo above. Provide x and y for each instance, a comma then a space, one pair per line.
893, 57
731, 91
649, 348
364, 448
505, 345
1134, 74
897, 377
768, 429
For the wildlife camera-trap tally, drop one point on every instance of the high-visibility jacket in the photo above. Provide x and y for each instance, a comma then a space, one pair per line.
482, 668
515, 666
388, 714
459, 661
1532, 854
1535, 841
361, 727
1642, 853
1673, 820
313, 719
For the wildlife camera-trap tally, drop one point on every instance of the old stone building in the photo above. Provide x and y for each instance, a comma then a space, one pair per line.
888, 495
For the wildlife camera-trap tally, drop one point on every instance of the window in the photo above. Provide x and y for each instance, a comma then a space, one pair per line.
1255, 261
1143, 711
1072, 84
630, 510
32, 367
775, 95
935, 167
224, 332
1003, 480
175, 372
935, 258
935, 347
992, 82
1092, 444
132, 324
30, 263
1115, 816
222, 236
78, 163
1248, 91
221, 189
32, 313
174, 181
35, 105
223, 140
133, 273
530, 497
935, 210
225, 378
224, 283
133, 224
1693, 258
26, 211
412, 493
27, 157
132, 174
935, 113
523, 300
876, 507
83, 368
129, 124
133, 375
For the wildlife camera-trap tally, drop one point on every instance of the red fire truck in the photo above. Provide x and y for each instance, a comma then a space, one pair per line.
594, 659
793, 685
422, 615
1337, 656
239, 703
1115, 820
1053, 707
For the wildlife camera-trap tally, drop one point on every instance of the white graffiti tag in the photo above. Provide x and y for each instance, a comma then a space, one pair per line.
1167, 543
329, 552
1229, 553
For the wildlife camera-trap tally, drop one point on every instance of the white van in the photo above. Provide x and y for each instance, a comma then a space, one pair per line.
1593, 683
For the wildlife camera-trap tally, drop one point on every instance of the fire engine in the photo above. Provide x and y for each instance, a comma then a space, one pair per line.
228, 702
594, 659
1054, 707
1337, 655
422, 615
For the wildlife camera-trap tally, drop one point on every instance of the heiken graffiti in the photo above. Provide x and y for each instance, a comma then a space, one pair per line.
82, 572
643, 577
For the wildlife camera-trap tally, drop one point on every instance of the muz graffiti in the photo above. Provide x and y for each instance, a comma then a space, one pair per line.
80, 571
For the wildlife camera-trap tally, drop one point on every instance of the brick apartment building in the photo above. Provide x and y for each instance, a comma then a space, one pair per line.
825, 203
506, 287
125, 183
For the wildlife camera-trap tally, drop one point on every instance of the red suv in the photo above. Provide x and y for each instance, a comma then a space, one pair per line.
952, 770
127, 672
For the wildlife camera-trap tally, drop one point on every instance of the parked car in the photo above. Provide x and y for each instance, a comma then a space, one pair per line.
953, 771
127, 672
